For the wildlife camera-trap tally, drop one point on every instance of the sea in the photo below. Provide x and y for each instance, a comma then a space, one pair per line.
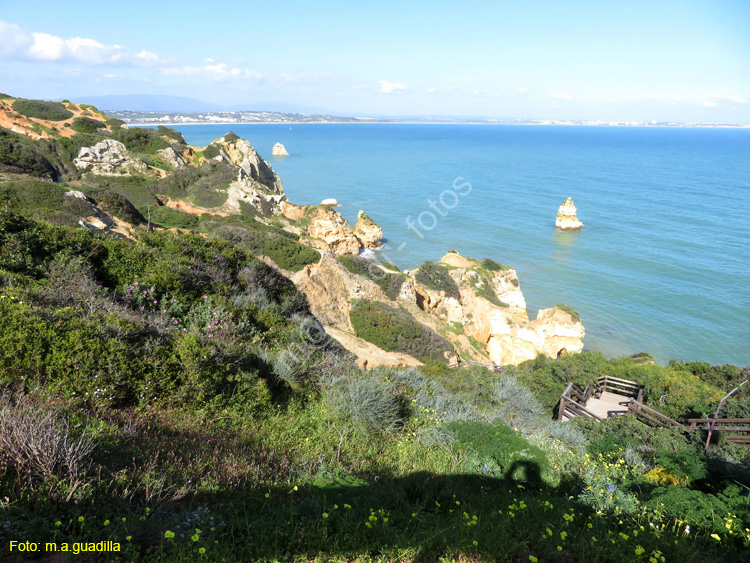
662, 264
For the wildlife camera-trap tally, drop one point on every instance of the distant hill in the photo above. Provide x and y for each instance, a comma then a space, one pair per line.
179, 104
149, 102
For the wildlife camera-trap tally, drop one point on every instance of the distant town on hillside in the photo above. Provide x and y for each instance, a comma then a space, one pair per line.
164, 118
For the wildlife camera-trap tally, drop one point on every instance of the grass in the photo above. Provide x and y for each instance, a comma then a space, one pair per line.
436, 277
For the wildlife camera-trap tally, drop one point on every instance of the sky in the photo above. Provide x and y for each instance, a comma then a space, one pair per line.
668, 60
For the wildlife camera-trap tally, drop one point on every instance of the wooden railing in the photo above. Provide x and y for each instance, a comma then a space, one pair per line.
571, 407
619, 387
636, 408
737, 429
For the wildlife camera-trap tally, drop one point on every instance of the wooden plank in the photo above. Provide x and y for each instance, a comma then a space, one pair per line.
640, 408
720, 420
612, 378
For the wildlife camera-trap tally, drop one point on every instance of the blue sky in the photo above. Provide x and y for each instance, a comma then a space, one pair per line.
639, 60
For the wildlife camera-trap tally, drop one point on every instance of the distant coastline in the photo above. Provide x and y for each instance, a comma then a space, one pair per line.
156, 123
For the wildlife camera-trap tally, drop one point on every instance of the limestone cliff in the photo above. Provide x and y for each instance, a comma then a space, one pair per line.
367, 231
334, 233
490, 308
566, 217
242, 154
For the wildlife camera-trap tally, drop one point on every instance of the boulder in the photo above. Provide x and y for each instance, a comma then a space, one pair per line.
330, 202
566, 217
279, 150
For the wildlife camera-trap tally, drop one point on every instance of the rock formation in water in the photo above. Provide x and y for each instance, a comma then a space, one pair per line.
330, 202
367, 231
279, 150
566, 217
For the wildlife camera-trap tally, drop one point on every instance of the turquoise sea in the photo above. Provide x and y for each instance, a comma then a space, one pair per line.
662, 264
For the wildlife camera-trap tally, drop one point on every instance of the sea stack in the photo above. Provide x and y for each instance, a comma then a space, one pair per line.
279, 150
566, 217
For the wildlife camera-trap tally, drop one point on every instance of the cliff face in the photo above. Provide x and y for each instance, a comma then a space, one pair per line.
336, 234
491, 308
370, 235
566, 217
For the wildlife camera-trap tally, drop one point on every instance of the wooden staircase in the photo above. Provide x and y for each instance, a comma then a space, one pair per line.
611, 396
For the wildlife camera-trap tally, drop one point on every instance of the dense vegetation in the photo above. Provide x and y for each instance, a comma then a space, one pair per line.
288, 254
394, 330
437, 277
87, 125
39, 109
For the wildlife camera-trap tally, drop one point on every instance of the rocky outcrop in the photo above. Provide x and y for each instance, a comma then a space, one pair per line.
566, 217
330, 288
333, 230
99, 220
108, 158
370, 235
491, 308
330, 202
172, 157
279, 150
242, 154
553, 333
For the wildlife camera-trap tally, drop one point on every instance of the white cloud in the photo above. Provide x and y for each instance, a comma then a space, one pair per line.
710, 104
561, 96
432, 89
19, 44
523, 90
392, 87
735, 99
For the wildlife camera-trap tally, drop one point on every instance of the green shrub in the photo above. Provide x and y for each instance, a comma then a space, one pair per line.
173, 219
170, 134
231, 136
22, 155
390, 283
493, 266
395, 330
499, 449
288, 254
44, 201
5, 96
211, 151
39, 109
87, 125
568, 309
436, 277
140, 140
116, 204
